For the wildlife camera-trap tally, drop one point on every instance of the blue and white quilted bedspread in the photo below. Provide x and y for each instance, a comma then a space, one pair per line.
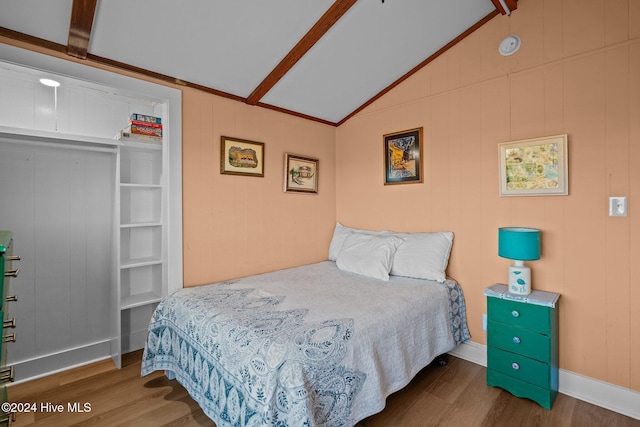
308, 346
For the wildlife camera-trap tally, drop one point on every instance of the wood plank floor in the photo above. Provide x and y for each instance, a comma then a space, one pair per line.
454, 395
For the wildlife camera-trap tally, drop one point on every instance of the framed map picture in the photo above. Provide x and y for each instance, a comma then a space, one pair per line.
534, 167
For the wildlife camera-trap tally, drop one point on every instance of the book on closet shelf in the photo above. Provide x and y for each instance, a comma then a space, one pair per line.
146, 118
145, 124
143, 130
134, 137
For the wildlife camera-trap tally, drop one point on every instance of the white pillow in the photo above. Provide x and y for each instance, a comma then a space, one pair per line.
423, 255
368, 255
340, 233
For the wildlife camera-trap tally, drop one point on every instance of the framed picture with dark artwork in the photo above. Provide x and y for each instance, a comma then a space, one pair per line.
241, 157
300, 174
534, 167
403, 157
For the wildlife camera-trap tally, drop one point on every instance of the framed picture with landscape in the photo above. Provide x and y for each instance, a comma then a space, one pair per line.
534, 167
403, 157
300, 174
241, 157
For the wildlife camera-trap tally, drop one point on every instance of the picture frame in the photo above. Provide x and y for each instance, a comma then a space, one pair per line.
534, 167
300, 174
403, 160
241, 157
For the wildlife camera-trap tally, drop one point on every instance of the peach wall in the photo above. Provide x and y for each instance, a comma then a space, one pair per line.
238, 225
577, 72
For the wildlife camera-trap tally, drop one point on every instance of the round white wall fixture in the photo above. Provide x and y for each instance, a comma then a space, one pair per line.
49, 82
509, 45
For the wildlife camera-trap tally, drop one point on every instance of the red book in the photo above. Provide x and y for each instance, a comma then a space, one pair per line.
146, 124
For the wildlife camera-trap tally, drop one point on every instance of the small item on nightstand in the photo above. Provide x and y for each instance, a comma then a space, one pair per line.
519, 244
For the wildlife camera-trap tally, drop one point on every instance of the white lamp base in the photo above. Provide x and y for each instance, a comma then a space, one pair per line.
519, 278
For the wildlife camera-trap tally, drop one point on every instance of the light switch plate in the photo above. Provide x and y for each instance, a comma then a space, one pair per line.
617, 206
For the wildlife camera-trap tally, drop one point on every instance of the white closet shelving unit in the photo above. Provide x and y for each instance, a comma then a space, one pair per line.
142, 239
141, 225
146, 239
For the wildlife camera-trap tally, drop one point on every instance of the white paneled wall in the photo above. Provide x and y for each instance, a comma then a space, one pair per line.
61, 214
78, 108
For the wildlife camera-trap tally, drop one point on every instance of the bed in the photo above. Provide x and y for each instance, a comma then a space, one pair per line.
316, 345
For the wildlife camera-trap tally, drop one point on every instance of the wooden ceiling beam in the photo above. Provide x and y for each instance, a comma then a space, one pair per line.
82, 15
319, 29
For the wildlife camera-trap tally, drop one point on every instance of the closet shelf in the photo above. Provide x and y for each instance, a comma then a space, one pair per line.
53, 137
141, 224
139, 300
139, 262
131, 185
57, 137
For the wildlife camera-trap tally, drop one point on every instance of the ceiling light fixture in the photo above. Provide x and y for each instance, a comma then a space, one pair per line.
509, 45
49, 82
54, 84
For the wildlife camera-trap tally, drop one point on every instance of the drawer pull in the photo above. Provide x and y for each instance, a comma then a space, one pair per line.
11, 298
13, 258
515, 366
516, 340
8, 417
6, 374
9, 323
9, 338
12, 273
515, 313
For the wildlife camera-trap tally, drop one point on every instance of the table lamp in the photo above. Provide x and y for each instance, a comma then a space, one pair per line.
519, 244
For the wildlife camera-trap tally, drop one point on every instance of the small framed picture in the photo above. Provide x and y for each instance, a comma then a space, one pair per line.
403, 157
300, 174
241, 157
534, 167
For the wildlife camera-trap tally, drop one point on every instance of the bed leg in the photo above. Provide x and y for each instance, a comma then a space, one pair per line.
443, 359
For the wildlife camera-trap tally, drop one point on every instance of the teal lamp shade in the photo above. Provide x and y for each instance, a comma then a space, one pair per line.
519, 244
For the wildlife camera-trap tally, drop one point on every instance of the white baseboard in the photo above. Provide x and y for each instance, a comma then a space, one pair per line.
63, 360
37, 367
134, 341
476, 353
609, 396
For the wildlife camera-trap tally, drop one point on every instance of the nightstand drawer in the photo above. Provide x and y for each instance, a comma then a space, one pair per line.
530, 316
519, 367
543, 396
519, 340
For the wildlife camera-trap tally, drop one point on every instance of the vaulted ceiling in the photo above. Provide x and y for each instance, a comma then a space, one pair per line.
320, 59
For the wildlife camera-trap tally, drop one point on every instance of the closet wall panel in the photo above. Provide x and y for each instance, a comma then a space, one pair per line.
62, 212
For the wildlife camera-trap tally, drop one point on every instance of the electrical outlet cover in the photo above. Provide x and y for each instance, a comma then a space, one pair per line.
617, 206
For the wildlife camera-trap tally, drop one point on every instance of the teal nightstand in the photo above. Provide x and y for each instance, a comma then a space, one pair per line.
522, 343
